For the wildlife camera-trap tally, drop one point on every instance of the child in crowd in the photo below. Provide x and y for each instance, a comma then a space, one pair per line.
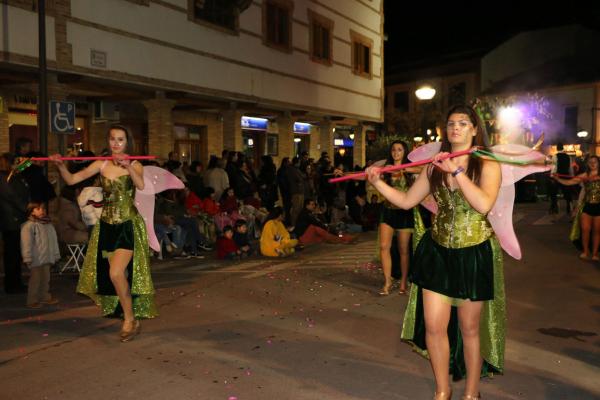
39, 249
240, 237
226, 247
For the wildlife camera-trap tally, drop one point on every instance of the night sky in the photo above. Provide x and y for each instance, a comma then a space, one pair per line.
425, 29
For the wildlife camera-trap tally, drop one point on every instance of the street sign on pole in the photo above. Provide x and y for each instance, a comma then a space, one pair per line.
62, 117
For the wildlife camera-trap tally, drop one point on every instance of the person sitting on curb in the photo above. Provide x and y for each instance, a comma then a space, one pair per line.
310, 230
240, 236
226, 247
275, 240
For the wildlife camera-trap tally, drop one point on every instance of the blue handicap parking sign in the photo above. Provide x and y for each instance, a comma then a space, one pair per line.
62, 117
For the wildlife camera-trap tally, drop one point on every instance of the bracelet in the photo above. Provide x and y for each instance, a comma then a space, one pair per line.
457, 171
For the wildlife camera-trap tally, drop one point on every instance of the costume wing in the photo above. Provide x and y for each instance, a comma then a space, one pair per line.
501, 214
426, 152
156, 180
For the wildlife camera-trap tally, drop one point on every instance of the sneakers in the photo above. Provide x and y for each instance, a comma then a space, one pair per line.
50, 301
34, 305
205, 246
182, 256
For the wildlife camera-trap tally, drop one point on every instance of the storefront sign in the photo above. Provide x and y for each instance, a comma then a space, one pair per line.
343, 142
301, 127
254, 123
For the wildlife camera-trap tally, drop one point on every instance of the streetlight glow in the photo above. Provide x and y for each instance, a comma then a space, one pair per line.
425, 93
582, 134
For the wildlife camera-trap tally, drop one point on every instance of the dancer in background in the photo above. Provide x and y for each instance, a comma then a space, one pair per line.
587, 223
395, 219
457, 266
119, 241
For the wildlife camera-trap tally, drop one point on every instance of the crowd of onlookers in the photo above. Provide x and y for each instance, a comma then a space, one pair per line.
234, 207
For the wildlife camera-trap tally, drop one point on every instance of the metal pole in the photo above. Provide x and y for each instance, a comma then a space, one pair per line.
43, 86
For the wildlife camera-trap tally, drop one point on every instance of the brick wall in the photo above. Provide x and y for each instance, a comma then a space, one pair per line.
160, 126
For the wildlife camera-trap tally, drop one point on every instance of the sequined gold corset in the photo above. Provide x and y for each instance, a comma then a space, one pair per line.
399, 184
118, 199
457, 224
592, 192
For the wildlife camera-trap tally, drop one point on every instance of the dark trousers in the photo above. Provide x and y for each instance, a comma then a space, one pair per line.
12, 260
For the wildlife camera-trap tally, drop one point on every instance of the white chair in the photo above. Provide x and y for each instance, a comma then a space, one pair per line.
76, 256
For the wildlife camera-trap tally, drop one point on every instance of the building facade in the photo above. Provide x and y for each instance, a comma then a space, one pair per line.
456, 80
198, 76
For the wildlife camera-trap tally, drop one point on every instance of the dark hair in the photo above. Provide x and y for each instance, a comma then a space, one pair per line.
390, 161
285, 161
227, 228
129, 149
598, 162
309, 200
275, 213
194, 166
224, 194
213, 162
437, 177
240, 222
20, 142
33, 205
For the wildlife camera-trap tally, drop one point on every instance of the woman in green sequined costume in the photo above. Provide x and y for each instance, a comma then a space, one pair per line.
455, 314
395, 219
587, 222
119, 241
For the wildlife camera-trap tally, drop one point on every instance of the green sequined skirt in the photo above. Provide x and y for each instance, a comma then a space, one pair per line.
94, 279
492, 327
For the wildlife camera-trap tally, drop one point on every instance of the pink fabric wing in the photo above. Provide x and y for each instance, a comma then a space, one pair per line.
501, 214
156, 180
425, 152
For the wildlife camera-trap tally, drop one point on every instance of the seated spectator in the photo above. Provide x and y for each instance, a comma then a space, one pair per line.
170, 203
240, 237
195, 208
310, 230
226, 247
275, 240
69, 224
229, 203
164, 225
340, 218
209, 205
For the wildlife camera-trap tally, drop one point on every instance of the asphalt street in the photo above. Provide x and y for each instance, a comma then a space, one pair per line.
309, 327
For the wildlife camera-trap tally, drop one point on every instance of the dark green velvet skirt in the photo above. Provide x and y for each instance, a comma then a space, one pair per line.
111, 238
466, 273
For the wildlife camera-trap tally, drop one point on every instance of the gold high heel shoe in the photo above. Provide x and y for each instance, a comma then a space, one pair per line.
128, 334
385, 290
471, 397
442, 395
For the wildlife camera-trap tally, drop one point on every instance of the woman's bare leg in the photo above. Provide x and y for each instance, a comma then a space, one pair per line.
404, 249
118, 263
595, 236
437, 317
469, 314
386, 233
586, 229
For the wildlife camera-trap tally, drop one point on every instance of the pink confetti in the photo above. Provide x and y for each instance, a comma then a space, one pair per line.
232, 398
44, 334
